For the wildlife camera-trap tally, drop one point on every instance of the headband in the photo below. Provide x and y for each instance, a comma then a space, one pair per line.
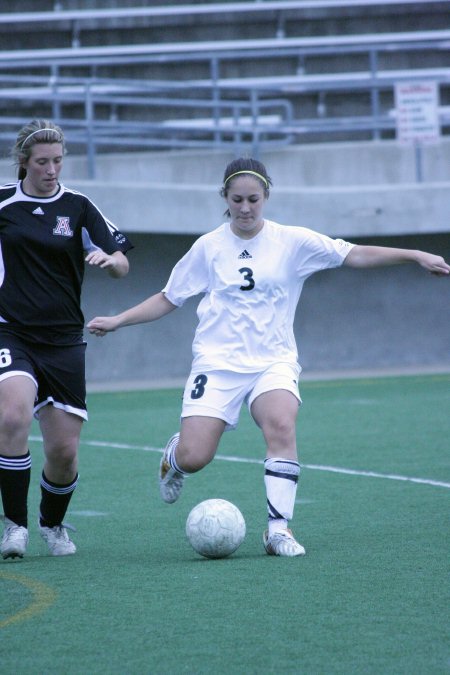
37, 132
254, 173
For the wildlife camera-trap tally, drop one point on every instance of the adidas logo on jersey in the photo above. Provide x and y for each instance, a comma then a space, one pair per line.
38, 211
244, 254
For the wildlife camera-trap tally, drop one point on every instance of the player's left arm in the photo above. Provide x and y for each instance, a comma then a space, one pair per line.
377, 256
115, 263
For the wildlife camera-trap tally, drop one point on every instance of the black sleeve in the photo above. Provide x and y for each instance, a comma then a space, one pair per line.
100, 232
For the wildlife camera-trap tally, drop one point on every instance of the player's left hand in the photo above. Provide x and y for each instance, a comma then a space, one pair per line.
434, 264
101, 259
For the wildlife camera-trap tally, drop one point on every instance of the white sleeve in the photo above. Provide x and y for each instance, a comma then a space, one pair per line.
189, 277
319, 252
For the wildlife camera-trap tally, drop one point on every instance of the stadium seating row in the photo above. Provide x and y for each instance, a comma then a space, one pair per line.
278, 84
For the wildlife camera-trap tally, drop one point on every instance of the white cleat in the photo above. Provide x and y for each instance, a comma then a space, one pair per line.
170, 481
57, 540
282, 544
14, 540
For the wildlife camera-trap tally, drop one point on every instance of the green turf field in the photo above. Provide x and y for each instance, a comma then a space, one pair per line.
371, 596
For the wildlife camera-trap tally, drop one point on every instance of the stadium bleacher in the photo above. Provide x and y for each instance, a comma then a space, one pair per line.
218, 75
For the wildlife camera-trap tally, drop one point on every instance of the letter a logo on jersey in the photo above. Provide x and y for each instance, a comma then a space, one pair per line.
63, 226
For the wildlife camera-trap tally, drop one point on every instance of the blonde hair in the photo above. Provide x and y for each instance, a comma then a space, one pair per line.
37, 131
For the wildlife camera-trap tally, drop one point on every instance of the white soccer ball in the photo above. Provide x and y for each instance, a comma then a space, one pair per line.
215, 528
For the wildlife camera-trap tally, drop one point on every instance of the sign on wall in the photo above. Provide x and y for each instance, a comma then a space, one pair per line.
417, 112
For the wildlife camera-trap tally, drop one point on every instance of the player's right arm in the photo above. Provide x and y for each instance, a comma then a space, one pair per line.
151, 309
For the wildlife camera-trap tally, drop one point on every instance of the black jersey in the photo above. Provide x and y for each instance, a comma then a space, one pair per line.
43, 243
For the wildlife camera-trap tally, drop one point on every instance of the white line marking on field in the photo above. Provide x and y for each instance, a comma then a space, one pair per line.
89, 514
247, 460
373, 474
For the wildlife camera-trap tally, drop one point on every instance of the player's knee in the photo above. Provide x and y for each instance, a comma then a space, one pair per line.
15, 419
63, 457
192, 457
280, 429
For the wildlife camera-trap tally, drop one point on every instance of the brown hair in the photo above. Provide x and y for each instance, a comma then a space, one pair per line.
245, 165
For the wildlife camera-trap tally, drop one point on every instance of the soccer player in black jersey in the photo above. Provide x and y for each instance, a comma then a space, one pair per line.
47, 234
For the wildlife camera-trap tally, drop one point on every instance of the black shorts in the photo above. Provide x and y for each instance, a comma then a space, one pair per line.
57, 370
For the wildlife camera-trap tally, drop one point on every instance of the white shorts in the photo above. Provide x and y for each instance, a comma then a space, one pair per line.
221, 393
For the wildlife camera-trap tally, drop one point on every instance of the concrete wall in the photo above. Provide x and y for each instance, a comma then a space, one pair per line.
351, 189
355, 163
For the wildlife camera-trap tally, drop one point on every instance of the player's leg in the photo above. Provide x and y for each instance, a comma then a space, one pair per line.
199, 438
211, 405
276, 413
188, 452
61, 434
17, 394
60, 409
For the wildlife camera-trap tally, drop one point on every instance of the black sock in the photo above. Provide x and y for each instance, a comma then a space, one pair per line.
55, 501
15, 473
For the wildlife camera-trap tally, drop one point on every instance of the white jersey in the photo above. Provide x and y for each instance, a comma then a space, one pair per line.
251, 290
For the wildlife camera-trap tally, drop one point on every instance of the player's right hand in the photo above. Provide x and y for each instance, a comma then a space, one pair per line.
102, 325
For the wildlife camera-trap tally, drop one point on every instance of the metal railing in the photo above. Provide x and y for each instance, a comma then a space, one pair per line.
225, 50
236, 11
253, 123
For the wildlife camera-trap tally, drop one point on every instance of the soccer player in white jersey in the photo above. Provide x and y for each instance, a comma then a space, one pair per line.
47, 234
250, 272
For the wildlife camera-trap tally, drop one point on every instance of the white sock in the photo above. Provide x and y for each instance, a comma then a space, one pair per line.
280, 477
171, 455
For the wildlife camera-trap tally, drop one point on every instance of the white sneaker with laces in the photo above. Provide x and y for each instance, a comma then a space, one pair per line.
170, 481
57, 540
14, 540
282, 544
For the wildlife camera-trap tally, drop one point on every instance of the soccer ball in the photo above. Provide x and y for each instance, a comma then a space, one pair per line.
215, 528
